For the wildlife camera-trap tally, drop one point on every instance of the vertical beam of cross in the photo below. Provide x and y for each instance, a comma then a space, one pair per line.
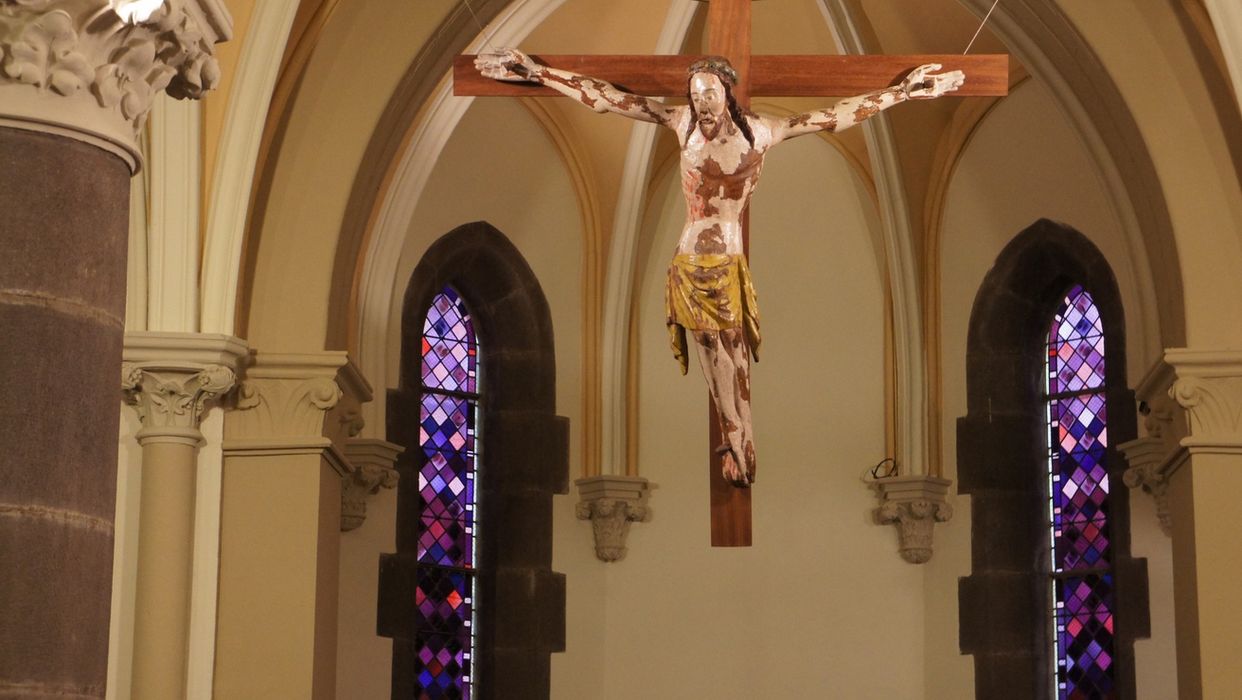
728, 23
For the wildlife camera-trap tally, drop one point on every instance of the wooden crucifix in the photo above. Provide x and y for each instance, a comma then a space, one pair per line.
723, 146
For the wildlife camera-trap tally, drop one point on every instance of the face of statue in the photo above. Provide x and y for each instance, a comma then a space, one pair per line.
707, 94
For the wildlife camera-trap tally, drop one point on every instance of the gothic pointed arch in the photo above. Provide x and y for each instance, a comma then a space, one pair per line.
519, 601
1002, 446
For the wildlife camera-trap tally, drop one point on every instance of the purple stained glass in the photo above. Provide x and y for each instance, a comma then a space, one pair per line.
447, 533
1076, 345
449, 349
443, 667
1084, 637
1078, 509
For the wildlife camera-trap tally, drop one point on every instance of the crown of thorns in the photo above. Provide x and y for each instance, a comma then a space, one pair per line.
717, 66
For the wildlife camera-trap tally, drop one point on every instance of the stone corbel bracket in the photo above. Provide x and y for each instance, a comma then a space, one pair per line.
1150, 462
372, 461
76, 68
169, 378
1154, 457
611, 503
914, 504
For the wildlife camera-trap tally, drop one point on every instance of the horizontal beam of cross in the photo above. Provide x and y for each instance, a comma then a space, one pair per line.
771, 76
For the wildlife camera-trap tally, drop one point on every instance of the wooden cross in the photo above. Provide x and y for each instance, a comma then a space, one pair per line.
728, 24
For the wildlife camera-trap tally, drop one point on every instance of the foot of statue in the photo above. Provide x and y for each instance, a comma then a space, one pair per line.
732, 472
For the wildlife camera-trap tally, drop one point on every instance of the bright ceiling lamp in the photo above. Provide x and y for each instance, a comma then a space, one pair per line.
135, 11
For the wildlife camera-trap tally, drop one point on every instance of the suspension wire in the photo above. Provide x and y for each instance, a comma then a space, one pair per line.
980, 29
487, 42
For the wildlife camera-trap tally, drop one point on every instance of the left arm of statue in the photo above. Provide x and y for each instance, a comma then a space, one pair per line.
600, 95
920, 84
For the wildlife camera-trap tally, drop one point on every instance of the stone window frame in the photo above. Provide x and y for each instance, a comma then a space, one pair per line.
1001, 461
525, 458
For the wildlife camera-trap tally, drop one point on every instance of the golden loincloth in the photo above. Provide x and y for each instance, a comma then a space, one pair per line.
710, 293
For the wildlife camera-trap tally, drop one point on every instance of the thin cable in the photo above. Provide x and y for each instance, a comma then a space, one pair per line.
980, 29
487, 42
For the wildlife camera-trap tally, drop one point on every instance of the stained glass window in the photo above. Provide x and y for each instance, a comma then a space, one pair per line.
448, 523
1081, 585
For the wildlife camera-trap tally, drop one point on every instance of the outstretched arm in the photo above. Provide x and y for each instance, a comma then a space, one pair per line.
599, 95
920, 84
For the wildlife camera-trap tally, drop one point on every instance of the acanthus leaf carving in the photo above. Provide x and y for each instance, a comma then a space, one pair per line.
915, 521
612, 503
171, 400
913, 503
610, 524
372, 461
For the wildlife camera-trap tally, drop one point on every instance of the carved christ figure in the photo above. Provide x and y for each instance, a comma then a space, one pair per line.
709, 294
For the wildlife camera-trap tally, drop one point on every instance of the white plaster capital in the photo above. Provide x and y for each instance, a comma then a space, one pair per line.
914, 504
76, 68
169, 378
611, 503
372, 462
1209, 389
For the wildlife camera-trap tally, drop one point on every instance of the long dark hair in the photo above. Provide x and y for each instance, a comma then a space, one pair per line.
720, 68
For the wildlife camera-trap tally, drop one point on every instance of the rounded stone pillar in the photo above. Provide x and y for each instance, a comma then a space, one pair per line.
63, 221
76, 82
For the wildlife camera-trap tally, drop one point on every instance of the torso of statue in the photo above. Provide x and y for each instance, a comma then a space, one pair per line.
718, 177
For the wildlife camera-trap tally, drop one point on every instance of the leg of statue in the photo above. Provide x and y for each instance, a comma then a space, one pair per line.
720, 373
733, 341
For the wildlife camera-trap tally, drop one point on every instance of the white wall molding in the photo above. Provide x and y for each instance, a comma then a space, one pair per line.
1227, 19
233, 179
172, 243
902, 276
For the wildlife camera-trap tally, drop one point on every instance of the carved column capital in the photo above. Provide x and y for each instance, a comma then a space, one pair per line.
169, 378
1209, 389
914, 504
611, 503
297, 403
372, 462
89, 69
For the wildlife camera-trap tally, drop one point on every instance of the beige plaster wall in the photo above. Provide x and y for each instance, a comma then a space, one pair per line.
362, 54
1142, 47
364, 658
821, 605
1024, 163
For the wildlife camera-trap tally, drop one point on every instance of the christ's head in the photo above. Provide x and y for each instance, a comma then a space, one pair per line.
710, 94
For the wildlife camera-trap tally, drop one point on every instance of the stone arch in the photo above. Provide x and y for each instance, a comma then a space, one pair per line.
521, 601
1001, 452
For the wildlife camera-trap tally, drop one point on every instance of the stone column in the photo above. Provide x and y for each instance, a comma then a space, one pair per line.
281, 525
169, 378
1203, 487
76, 81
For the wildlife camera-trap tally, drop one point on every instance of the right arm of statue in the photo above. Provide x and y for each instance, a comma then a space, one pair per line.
599, 95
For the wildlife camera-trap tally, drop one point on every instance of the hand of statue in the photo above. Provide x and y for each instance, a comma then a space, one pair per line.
922, 84
507, 64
